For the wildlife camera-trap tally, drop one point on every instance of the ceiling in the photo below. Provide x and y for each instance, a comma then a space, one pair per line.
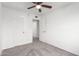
25, 5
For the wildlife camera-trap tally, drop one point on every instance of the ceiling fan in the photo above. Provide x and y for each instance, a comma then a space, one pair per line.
38, 5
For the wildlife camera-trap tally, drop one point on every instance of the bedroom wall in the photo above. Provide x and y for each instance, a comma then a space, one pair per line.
17, 28
61, 28
0, 28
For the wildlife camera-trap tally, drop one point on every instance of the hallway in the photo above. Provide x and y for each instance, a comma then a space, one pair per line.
37, 48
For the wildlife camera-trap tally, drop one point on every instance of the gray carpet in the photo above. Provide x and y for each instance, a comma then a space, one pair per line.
37, 48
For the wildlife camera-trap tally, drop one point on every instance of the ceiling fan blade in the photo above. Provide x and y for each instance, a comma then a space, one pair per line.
38, 3
31, 7
47, 6
39, 10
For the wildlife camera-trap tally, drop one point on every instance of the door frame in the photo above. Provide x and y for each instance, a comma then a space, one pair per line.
37, 27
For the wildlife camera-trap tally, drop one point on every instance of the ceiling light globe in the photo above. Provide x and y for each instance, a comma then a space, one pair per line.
38, 6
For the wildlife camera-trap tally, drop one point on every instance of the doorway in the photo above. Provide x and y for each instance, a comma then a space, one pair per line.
35, 30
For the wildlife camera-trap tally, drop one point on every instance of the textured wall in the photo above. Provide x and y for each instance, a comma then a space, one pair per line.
17, 28
0, 28
61, 28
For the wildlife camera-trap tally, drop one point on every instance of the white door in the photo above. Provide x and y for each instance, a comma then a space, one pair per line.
35, 29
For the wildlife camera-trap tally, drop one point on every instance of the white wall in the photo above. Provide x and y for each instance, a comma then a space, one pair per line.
0, 28
61, 28
17, 28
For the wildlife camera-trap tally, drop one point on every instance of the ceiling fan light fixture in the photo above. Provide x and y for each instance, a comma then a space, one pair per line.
38, 6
